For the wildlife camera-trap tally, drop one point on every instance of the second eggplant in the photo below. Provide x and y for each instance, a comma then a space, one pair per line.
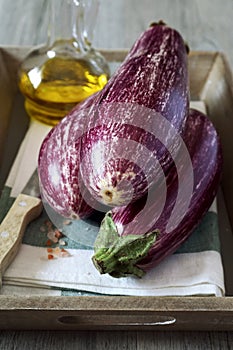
131, 240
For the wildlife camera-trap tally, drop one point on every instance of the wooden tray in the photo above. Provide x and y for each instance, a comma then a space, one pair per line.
210, 81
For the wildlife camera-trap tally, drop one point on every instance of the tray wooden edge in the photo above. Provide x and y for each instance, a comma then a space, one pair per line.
117, 312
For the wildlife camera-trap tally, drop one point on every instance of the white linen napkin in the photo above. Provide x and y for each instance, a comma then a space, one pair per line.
185, 273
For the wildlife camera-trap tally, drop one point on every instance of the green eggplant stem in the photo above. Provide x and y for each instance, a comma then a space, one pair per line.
118, 255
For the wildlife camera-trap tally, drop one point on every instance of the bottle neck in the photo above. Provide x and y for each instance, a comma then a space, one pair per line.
67, 25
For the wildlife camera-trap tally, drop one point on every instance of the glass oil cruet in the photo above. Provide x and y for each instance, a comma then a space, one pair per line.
57, 76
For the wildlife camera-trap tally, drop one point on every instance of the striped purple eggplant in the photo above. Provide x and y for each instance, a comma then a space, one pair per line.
130, 244
122, 153
58, 168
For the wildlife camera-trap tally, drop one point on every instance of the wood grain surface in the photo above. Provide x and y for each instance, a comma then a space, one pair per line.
115, 340
205, 25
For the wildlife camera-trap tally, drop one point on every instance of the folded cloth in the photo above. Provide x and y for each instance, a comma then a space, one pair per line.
195, 269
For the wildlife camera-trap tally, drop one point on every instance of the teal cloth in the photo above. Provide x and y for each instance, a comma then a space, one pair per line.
205, 237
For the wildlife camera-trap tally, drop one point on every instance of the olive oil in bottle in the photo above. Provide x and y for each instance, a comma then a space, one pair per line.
54, 78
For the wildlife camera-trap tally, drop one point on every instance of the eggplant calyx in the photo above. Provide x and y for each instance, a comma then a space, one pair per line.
118, 255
